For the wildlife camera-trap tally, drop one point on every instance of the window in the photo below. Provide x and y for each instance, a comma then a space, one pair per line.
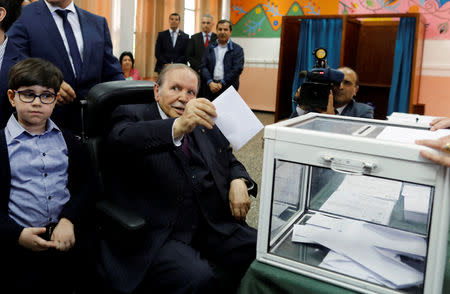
189, 17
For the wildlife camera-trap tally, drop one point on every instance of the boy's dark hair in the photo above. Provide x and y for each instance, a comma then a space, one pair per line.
129, 54
225, 21
35, 71
13, 9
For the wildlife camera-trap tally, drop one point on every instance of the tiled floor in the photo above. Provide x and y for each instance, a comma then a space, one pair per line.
251, 156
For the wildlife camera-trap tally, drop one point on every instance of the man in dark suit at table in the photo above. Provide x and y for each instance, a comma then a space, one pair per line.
174, 167
223, 62
171, 45
197, 46
342, 101
77, 42
9, 53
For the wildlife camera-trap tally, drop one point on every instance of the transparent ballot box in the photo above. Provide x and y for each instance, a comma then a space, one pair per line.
351, 202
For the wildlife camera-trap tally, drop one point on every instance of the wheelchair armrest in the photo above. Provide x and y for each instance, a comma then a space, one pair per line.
127, 219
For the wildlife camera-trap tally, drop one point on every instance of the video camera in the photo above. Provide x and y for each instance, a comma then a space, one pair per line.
319, 81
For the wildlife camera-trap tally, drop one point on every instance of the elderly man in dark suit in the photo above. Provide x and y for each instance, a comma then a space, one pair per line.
9, 53
171, 45
223, 62
174, 167
197, 45
77, 42
342, 99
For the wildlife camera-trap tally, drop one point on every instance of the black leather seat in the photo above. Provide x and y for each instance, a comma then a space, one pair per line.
111, 221
108, 221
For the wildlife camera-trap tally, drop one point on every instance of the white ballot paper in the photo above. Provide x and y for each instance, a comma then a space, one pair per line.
235, 119
407, 135
365, 251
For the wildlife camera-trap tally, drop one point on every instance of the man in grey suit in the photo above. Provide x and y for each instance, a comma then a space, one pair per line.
343, 102
197, 45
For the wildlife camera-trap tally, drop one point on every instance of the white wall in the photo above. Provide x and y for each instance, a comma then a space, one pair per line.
122, 25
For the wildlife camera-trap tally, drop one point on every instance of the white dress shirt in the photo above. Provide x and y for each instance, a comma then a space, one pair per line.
220, 51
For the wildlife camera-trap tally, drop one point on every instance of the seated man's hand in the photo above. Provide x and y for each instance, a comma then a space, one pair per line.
66, 94
439, 144
63, 236
440, 123
198, 111
239, 199
30, 239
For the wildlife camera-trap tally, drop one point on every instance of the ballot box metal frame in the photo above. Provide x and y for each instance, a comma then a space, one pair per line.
390, 160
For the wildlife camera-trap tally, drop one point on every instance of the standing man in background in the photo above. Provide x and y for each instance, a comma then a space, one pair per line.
197, 45
9, 53
223, 62
77, 42
171, 45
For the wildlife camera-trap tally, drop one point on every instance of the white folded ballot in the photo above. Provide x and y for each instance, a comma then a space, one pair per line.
235, 119
365, 251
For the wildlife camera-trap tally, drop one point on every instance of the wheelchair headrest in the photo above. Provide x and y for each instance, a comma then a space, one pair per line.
103, 98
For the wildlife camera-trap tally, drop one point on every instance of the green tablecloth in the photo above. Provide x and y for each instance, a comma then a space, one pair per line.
262, 278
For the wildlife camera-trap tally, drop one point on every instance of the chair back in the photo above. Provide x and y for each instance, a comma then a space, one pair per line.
101, 101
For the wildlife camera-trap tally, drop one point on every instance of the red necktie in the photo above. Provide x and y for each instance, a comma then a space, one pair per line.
207, 41
185, 146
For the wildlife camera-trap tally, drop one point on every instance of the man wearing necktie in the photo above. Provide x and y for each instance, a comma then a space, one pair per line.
197, 46
171, 44
174, 167
77, 42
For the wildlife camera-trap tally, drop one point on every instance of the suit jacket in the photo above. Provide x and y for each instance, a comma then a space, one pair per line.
196, 49
12, 56
36, 34
233, 64
357, 109
353, 108
148, 177
78, 185
166, 53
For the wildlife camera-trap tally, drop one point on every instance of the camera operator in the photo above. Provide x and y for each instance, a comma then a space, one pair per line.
340, 100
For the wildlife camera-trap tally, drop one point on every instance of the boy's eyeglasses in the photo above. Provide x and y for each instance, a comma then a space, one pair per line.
28, 97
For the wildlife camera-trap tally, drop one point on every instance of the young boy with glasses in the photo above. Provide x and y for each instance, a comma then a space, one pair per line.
44, 185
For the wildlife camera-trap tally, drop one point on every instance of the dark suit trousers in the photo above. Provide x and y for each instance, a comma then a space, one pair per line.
200, 267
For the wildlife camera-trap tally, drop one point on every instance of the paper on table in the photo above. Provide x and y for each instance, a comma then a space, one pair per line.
408, 135
412, 119
235, 119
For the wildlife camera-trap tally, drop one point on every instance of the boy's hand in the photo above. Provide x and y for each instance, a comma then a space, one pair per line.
63, 236
66, 94
30, 239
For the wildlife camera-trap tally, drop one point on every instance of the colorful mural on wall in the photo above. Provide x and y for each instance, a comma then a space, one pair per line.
435, 12
262, 18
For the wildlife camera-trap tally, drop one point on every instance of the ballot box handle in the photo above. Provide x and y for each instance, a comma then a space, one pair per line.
349, 166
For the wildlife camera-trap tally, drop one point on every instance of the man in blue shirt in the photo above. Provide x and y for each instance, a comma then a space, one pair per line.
44, 185
223, 62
